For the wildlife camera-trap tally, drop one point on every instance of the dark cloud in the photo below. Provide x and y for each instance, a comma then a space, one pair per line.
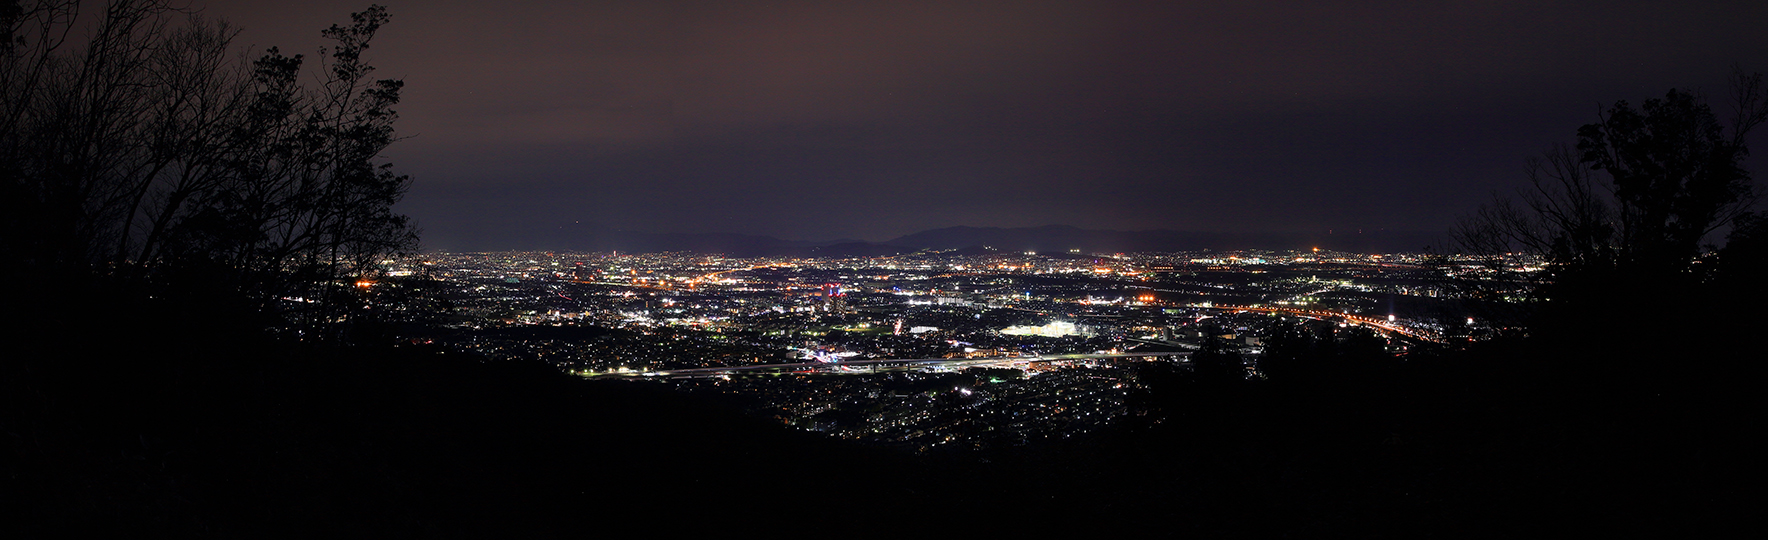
825, 119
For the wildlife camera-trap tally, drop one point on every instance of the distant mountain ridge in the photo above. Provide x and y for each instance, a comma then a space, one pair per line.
1060, 238
1046, 239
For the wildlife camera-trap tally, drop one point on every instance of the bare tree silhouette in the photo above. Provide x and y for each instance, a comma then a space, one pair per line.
1631, 203
151, 150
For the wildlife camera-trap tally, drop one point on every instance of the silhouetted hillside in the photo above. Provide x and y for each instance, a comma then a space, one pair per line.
1052, 239
1061, 238
185, 433
186, 424
856, 249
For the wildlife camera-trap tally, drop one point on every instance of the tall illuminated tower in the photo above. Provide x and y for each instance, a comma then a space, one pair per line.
834, 299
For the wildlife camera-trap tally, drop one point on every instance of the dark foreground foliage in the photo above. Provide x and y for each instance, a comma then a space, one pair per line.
169, 420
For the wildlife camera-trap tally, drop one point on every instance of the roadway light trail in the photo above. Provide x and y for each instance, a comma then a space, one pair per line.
1322, 314
824, 367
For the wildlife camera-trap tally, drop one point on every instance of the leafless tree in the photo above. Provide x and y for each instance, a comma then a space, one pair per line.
150, 146
1636, 196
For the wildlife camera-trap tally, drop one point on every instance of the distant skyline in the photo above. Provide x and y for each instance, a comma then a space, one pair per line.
820, 120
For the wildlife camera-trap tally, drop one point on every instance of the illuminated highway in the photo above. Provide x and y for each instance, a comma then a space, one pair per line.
1322, 314
873, 366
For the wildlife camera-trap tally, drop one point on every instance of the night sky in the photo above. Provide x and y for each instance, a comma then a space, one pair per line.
825, 119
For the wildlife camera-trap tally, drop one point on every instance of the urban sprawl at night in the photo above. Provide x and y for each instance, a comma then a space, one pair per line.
967, 348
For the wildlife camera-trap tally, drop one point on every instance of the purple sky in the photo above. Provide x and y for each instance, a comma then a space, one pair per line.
824, 119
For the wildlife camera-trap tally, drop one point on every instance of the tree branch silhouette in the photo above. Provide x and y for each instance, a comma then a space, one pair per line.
157, 154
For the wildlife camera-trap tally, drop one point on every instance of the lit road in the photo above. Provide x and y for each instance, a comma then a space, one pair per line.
1359, 319
871, 366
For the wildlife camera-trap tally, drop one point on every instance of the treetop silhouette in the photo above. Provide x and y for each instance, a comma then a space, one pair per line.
150, 150
1632, 202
